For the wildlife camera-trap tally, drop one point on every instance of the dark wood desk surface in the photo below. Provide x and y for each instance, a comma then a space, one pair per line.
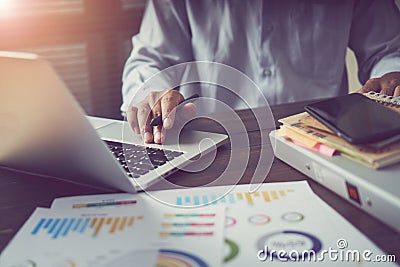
20, 194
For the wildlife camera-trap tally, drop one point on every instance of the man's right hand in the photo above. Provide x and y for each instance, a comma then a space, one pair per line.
158, 103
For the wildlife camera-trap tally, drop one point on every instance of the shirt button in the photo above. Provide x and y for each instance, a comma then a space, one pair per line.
269, 28
267, 72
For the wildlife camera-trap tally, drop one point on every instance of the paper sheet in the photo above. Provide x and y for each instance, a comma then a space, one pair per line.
282, 216
148, 233
278, 216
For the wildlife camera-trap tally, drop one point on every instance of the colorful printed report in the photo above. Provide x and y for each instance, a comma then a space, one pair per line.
272, 224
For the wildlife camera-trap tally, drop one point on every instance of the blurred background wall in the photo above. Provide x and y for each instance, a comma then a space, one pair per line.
87, 41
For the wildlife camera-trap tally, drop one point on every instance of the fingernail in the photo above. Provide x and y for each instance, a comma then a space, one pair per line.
167, 123
136, 130
147, 137
157, 137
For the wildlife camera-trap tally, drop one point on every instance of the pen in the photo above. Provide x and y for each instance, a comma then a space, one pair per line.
157, 121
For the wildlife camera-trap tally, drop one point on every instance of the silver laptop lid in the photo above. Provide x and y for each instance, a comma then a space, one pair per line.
44, 131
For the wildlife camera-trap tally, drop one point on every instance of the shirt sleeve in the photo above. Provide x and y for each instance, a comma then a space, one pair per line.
375, 38
163, 40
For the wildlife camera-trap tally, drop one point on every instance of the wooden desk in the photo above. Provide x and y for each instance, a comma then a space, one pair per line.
20, 194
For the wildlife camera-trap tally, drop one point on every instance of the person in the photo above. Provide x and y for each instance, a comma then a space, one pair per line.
293, 50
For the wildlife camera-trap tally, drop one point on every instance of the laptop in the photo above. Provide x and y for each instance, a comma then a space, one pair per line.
374, 191
44, 131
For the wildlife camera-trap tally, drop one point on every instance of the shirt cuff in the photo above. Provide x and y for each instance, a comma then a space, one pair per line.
385, 65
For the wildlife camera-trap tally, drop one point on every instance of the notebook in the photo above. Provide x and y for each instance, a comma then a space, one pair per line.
44, 131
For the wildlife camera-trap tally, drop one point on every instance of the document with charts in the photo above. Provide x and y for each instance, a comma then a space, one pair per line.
277, 216
286, 217
93, 233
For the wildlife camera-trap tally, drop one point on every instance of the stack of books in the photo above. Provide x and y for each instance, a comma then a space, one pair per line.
308, 132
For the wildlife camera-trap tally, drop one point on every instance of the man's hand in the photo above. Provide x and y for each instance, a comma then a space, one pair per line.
158, 103
388, 84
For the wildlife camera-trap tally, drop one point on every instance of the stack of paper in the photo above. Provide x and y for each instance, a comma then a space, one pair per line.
306, 131
214, 226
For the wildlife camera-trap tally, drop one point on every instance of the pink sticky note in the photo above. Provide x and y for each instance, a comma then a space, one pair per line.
320, 148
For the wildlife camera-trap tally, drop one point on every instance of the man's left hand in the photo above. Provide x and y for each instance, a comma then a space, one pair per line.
388, 84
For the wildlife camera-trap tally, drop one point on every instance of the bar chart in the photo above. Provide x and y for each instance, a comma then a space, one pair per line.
103, 204
188, 224
233, 198
62, 227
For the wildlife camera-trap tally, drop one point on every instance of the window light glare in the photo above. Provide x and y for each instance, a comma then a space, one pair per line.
5, 4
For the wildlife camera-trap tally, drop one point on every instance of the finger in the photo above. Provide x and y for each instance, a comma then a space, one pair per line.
184, 114
388, 85
396, 91
131, 116
154, 102
158, 135
169, 101
155, 105
370, 85
387, 91
187, 112
144, 116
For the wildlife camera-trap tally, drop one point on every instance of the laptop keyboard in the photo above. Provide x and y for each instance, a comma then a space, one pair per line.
140, 159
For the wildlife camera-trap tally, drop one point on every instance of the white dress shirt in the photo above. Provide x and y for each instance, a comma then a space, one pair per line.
293, 50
